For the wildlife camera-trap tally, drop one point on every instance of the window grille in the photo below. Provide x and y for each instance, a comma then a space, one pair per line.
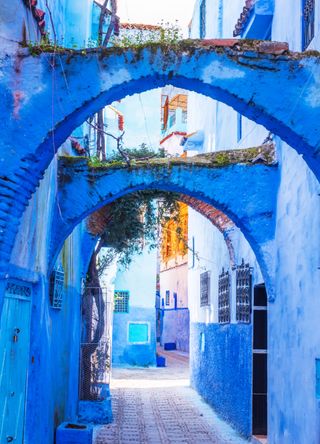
18, 290
243, 293
203, 19
224, 298
167, 297
204, 288
56, 287
121, 301
308, 19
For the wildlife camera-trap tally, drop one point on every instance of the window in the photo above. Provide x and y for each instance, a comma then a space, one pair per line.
202, 342
56, 287
175, 300
121, 301
239, 127
203, 19
138, 332
224, 298
318, 378
243, 293
308, 17
167, 297
204, 288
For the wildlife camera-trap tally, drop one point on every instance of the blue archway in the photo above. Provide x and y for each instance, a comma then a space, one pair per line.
244, 191
47, 95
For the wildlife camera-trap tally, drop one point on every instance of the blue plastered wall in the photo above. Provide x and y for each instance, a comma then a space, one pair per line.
176, 326
221, 368
140, 280
124, 353
52, 388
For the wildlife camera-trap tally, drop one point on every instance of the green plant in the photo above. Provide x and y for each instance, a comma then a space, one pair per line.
131, 222
164, 34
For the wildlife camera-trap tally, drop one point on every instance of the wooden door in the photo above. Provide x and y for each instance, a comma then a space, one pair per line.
260, 362
14, 354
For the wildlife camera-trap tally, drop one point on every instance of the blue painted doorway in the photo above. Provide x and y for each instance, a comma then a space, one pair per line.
14, 352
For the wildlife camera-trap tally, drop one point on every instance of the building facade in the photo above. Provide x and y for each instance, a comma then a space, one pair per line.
134, 314
42, 304
231, 384
173, 302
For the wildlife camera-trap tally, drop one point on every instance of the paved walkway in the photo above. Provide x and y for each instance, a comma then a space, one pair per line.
157, 406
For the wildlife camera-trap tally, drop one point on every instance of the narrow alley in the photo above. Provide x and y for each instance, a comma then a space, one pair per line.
157, 405
159, 222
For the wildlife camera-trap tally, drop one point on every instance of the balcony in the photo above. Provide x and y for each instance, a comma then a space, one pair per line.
255, 20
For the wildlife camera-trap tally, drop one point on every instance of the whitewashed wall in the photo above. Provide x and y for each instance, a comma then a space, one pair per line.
294, 338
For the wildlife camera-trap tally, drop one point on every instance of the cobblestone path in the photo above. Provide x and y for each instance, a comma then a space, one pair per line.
158, 406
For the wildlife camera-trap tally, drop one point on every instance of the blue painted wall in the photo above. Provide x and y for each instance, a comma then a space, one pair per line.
52, 392
175, 328
140, 280
221, 370
124, 353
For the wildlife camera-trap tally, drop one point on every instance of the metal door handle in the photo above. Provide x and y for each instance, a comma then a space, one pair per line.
10, 438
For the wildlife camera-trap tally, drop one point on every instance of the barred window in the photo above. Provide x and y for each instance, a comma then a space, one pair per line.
56, 287
308, 19
121, 301
224, 298
203, 19
167, 297
243, 293
204, 288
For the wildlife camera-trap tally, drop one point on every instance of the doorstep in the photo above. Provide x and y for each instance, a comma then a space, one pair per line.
259, 439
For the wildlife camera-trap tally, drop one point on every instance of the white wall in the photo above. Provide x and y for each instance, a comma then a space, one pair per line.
175, 280
294, 339
219, 123
211, 254
139, 279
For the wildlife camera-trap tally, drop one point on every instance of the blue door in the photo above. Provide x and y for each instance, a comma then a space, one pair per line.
14, 353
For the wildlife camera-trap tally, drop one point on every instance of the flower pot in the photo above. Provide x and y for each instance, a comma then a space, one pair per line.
74, 433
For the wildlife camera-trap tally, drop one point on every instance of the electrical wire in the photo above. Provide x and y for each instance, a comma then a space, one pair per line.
145, 121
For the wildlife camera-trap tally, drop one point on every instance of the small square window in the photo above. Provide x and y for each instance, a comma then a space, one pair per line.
121, 301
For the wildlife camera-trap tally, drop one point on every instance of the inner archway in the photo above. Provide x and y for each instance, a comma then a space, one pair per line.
124, 329
244, 191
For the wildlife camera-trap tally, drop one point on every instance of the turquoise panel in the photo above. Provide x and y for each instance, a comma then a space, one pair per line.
138, 332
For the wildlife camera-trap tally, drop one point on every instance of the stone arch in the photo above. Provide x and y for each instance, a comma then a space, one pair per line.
47, 95
245, 192
222, 222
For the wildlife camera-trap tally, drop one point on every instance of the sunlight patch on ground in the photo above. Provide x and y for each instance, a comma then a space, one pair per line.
148, 383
